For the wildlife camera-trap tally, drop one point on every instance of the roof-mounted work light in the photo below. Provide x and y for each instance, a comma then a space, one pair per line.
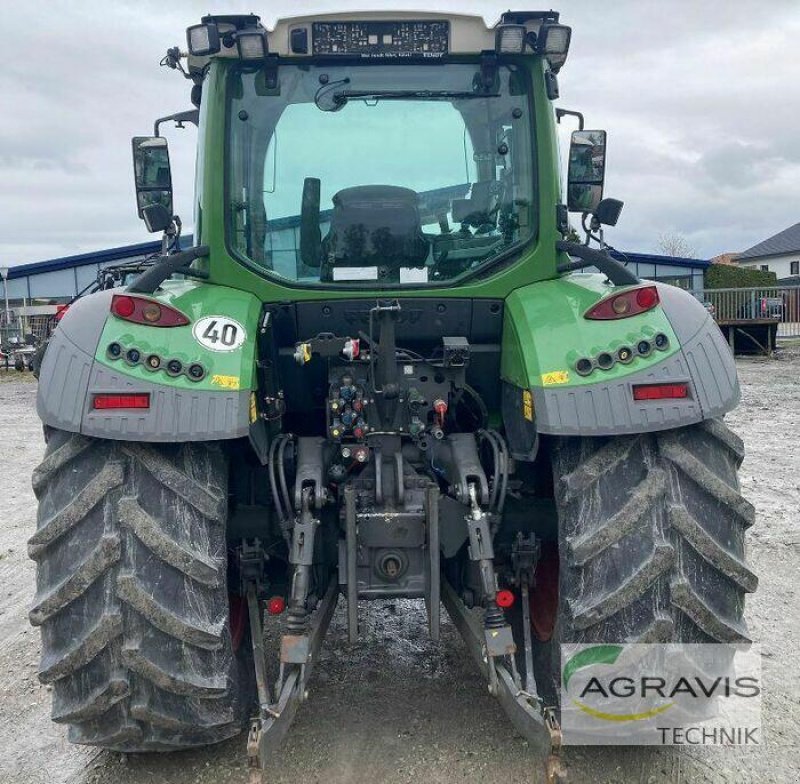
553, 42
510, 39
203, 39
252, 44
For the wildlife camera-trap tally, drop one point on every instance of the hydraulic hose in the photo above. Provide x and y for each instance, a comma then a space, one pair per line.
273, 484
287, 500
617, 273
152, 278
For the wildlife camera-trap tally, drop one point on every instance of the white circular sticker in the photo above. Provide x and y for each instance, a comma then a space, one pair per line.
219, 333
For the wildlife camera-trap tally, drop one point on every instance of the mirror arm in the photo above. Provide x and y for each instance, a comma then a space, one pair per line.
617, 273
191, 115
568, 112
152, 278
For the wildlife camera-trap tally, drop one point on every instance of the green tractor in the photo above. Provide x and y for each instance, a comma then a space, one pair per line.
380, 372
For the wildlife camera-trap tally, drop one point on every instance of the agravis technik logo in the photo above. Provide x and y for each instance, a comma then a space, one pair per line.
660, 694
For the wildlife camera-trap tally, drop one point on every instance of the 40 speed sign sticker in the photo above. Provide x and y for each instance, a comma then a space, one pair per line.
219, 333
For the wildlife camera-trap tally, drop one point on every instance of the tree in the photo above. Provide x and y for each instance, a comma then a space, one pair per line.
671, 244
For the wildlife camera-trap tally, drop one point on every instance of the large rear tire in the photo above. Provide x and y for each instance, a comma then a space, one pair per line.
132, 598
651, 537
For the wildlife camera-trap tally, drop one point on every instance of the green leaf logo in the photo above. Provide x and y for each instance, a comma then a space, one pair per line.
597, 654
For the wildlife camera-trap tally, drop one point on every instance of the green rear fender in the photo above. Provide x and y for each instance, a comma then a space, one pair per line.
545, 336
209, 309
90, 355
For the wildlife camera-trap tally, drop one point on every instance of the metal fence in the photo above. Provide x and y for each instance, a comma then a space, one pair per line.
770, 304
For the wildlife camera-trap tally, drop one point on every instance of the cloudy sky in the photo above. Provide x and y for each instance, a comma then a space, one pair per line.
701, 101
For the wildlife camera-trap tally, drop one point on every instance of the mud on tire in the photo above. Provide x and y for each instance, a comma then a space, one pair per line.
652, 537
131, 597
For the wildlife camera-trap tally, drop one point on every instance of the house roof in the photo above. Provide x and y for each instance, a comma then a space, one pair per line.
786, 241
725, 258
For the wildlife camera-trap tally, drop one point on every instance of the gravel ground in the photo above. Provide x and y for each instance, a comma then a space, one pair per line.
396, 708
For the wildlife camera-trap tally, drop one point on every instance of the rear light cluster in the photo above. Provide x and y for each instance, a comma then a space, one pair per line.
146, 311
172, 367
625, 354
628, 303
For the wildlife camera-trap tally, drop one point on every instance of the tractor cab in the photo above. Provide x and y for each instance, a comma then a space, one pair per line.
392, 151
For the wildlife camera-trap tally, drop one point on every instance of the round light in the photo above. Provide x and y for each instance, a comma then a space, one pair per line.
153, 362
151, 312
276, 605
196, 371
661, 341
625, 354
505, 598
646, 298
174, 367
133, 356
124, 306
605, 360
644, 347
620, 305
584, 366
114, 350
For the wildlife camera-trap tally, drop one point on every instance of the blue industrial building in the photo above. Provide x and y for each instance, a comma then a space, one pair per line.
59, 280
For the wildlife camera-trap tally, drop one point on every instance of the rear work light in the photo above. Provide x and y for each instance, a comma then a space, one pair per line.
145, 311
628, 303
111, 401
660, 391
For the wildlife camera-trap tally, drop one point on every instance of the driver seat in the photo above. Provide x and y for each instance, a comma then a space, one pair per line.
374, 226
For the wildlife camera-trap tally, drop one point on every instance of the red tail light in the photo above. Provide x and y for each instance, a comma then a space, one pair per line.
628, 303
146, 311
105, 402
660, 391
60, 311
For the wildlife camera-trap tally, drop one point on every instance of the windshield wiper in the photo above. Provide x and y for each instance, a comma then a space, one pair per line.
341, 97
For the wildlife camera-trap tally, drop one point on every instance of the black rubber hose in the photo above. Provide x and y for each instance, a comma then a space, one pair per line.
617, 273
273, 484
481, 405
152, 278
504, 461
282, 475
485, 435
501, 481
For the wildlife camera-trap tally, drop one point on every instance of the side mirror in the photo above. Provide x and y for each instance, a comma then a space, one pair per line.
152, 174
587, 170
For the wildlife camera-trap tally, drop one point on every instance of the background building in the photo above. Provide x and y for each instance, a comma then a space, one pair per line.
779, 254
57, 281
